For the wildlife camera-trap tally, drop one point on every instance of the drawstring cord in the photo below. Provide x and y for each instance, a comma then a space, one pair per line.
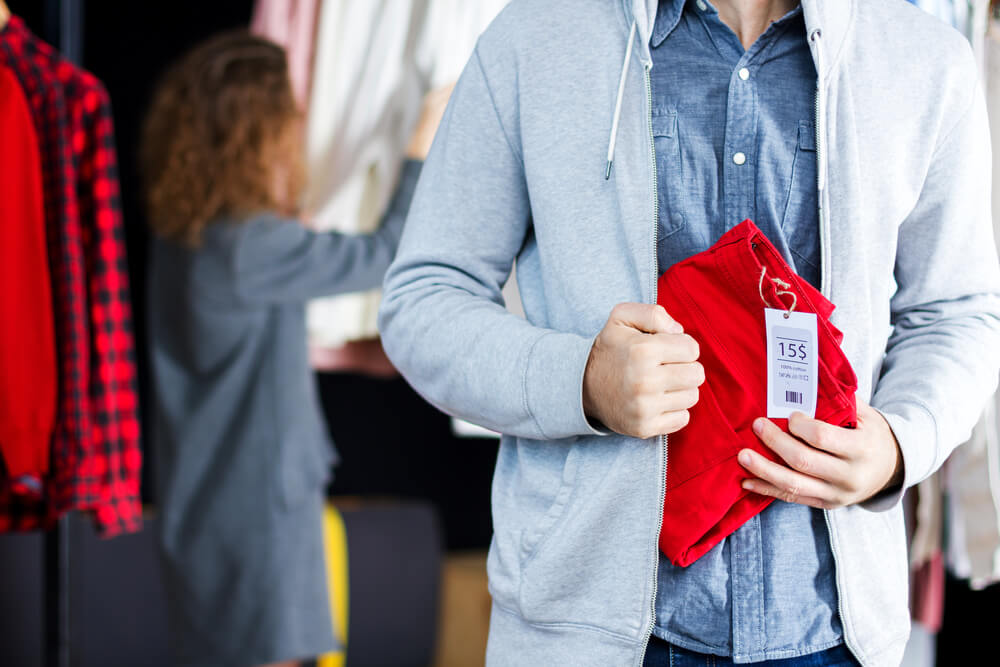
618, 102
780, 289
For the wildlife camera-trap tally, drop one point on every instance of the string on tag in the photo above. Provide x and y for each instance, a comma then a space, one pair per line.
780, 288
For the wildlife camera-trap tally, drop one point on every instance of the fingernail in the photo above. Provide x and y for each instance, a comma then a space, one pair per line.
758, 426
745, 458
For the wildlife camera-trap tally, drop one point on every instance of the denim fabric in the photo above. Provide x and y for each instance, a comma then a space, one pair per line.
662, 654
768, 590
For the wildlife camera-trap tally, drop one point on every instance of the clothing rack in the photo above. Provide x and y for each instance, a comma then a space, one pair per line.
63, 27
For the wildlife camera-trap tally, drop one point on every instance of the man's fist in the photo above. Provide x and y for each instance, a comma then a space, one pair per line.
643, 374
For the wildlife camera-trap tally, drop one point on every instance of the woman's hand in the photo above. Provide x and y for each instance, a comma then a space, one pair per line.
430, 117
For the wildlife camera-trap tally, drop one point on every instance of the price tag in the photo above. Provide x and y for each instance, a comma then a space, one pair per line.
792, 363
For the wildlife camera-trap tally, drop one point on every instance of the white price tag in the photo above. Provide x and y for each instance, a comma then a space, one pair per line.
792, 363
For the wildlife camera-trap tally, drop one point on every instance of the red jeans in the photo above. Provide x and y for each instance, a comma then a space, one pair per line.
716, 296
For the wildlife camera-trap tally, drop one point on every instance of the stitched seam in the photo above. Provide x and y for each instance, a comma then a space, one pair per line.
919, 403
496, 111
524, 386
966, 112
558, 624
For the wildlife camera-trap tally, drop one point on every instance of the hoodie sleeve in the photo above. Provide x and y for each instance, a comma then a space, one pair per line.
277, 261
442, 319
942, 358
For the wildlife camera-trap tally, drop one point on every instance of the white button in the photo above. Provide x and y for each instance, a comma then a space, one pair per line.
739, 158
744, 73
701, 5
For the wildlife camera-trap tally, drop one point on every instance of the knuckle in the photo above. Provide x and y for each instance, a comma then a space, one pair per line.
647, 429
636, 353
691, 398
691, 348
824, 439
802, 464
795, 422
644, 409
697, 374
679, 420
790, 494
636, 387
630, 414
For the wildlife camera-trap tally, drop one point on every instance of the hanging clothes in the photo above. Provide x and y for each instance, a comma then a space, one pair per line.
958, 508
373, 65
27, 340
292, 24
95, 457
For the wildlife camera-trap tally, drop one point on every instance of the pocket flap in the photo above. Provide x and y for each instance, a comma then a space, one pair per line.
664, 123
807, 135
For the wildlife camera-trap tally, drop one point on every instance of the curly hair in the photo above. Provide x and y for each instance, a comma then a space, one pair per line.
221, 138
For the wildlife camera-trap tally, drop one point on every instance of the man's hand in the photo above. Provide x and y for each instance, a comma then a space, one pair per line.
827, 466
643, 374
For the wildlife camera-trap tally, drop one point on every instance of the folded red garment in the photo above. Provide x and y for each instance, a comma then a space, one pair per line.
717, 295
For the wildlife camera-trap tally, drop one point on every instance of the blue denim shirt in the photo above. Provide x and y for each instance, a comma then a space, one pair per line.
734, 139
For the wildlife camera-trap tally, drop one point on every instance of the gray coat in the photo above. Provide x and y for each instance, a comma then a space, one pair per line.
238, 431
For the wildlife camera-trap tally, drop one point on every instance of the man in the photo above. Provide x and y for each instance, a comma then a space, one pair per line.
597, 143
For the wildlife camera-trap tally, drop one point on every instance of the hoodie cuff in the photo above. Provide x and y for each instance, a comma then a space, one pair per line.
916, 432
553, 385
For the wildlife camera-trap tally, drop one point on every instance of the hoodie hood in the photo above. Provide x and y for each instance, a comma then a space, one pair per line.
643, 14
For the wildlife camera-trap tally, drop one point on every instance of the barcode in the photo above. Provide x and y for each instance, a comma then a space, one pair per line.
793, 397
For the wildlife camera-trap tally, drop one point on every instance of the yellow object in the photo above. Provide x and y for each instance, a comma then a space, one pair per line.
335, 546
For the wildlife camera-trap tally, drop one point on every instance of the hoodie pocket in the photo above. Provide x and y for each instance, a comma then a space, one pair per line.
800, 222
533, 537
668, 166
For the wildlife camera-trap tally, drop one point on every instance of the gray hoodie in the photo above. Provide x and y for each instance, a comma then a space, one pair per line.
518, 172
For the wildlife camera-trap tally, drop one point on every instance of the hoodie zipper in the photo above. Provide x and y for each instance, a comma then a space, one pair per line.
663, 438
821, 183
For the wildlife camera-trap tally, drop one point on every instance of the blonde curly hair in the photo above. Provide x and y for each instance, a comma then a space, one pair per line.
222, 138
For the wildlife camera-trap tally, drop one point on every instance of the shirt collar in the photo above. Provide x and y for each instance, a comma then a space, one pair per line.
668, 15
669, 12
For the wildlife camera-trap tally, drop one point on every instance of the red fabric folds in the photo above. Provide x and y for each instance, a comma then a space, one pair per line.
27, 341
716, 296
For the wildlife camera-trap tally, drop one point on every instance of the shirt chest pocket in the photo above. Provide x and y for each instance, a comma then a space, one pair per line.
668, 169
800, 220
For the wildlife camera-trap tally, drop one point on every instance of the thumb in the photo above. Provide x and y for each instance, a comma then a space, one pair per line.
647, 318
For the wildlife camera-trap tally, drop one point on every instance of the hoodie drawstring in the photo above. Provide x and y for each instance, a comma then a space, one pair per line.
618, 103
822, 175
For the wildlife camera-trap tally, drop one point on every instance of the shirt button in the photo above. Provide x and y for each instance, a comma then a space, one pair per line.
701, 5
739, 158
744, 73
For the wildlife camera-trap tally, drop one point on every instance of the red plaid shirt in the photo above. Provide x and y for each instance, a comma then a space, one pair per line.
95, 451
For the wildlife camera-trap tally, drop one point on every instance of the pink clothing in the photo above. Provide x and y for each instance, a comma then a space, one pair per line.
292, 24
